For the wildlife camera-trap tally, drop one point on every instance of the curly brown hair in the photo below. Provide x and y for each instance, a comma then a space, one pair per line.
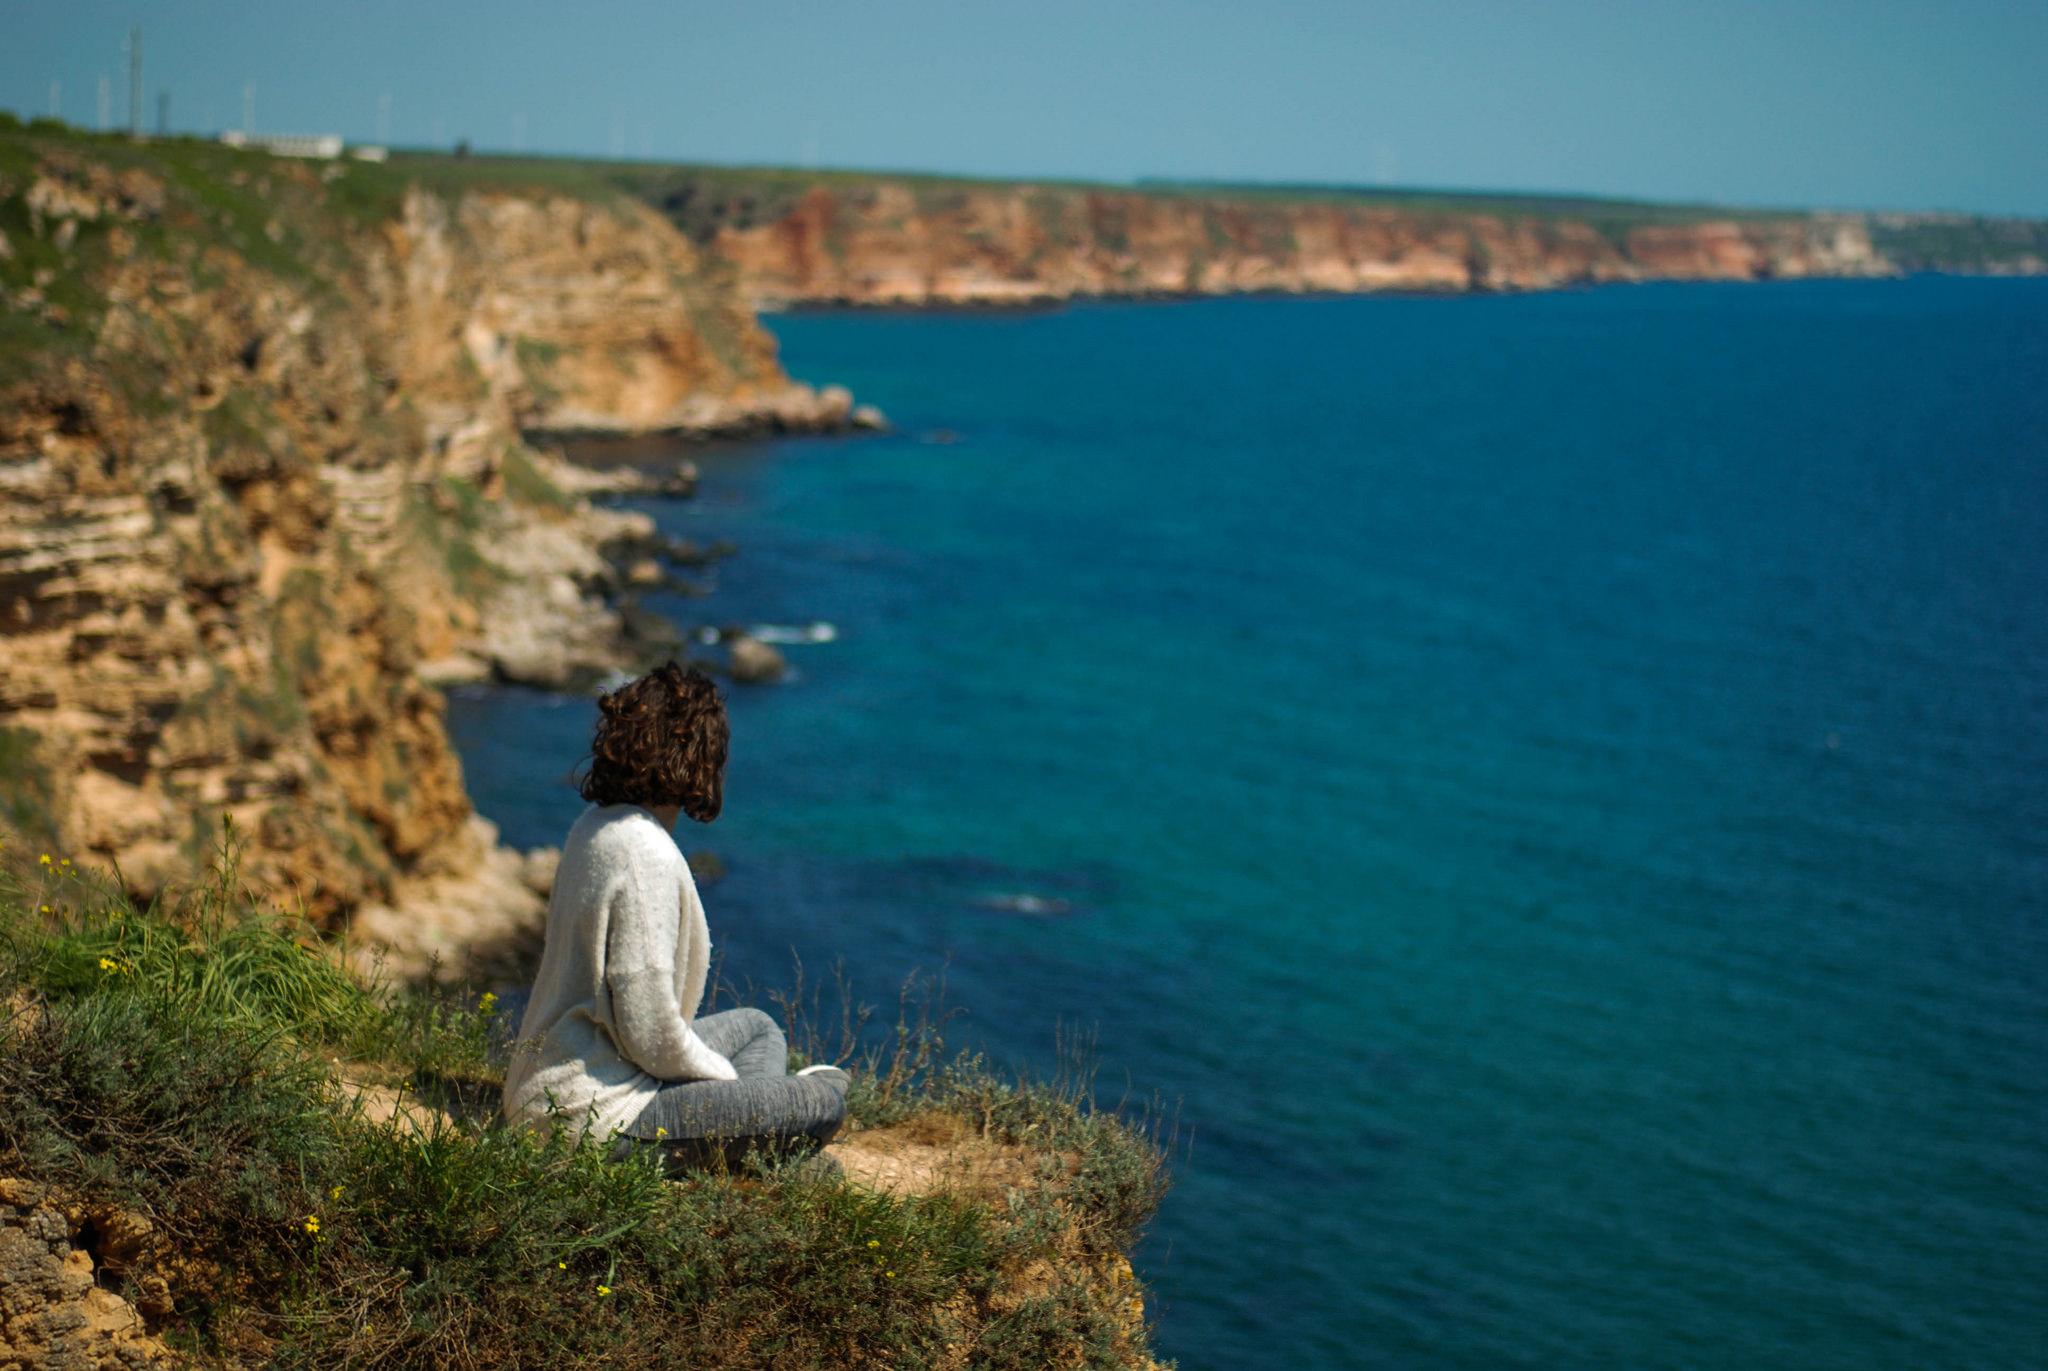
661, 740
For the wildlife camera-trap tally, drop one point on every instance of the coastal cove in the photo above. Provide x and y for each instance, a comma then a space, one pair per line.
1548, 785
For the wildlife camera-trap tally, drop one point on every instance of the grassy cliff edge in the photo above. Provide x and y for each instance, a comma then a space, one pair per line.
244, 1156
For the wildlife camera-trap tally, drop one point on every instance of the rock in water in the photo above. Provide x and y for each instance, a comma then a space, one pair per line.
679, 483
753, 662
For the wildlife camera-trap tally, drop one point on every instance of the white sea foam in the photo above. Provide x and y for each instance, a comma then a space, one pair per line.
817, 631
1023, 902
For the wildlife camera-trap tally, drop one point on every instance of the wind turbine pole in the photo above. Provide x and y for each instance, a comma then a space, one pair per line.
135, 83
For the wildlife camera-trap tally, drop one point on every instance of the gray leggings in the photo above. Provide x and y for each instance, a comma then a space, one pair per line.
766, 1108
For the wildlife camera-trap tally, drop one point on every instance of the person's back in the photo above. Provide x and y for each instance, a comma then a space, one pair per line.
591, 1037
610, 1041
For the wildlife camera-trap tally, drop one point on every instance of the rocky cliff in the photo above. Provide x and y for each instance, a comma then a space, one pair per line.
264, 459
907, 241
898, 243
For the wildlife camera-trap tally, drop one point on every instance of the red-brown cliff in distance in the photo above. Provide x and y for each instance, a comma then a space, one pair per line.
843, 238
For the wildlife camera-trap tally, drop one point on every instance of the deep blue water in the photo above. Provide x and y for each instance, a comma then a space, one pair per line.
1553, 786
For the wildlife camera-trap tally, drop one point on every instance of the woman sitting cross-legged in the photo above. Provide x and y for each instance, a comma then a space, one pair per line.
611, 1042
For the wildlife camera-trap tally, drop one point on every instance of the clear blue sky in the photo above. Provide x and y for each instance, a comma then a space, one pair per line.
1887, 103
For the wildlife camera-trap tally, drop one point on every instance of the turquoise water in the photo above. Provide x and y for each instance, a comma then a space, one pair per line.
1553, 787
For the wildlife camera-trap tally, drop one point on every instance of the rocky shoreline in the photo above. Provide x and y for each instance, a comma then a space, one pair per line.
794, 408
568, 613
566, 617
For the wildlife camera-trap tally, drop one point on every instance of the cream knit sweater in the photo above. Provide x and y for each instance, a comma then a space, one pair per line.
620, 979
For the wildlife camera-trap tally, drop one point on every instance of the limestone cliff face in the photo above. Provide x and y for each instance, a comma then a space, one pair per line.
189, 630
886, 242
261, 458
567, 315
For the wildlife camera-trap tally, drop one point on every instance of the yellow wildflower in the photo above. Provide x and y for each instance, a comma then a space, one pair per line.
660, 1132
46, 909
890, 1274
874, 1242
487, 1003
45, 859
335, 1193
561, 1266
603, 1290
106, 963
312, 1223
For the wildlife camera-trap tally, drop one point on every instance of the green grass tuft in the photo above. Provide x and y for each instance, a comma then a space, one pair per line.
25, 784
526, 482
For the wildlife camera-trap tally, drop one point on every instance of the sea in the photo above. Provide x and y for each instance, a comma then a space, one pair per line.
1545, 797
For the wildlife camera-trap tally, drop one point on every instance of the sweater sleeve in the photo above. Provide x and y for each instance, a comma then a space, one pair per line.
639, 975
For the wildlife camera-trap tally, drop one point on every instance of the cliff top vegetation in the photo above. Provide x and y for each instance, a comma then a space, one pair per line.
279, 1164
